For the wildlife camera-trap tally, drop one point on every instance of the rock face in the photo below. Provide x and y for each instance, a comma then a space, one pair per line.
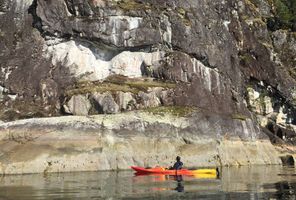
215, 47
88, 64
272, 112
231, 59
110, 142
106, 103
211, 49
78, 105
115, 102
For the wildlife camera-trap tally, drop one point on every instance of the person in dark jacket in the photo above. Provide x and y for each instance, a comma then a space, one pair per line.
178, 165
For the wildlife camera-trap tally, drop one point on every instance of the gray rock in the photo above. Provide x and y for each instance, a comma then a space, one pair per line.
212, 49
105, 103
280, 38
2, 91
126, 101
78, 105
137, 138
167, 97
148, 100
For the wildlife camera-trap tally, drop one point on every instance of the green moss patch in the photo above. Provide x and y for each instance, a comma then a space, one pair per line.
245, 59
24, 110
252, 4
130, 5
179, 111
183, 14
284, 15
117, 83
239, 116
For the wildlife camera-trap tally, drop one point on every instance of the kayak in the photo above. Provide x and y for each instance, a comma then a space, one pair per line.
163, 177
164, 171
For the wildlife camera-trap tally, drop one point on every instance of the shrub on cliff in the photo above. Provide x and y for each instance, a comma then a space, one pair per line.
284, 15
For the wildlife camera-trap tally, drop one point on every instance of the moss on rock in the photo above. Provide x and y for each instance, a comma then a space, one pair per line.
179, 111
130, 5
117, 83
284, 15
239, 116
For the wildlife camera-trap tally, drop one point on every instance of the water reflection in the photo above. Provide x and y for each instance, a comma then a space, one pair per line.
273, 182
283, 190
180, 186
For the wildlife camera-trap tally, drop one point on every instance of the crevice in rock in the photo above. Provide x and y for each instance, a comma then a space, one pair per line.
70, 7
37, 22
187, 141
279, 133
4, 6
272, 137
203, 59
114, 51
274, 112
278, 100
78, 8
287, 160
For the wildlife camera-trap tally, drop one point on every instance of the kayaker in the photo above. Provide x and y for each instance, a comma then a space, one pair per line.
178, 165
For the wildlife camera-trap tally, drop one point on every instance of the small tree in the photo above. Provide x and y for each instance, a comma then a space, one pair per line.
285, 13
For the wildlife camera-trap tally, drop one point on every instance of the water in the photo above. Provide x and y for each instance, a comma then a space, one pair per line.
264, 182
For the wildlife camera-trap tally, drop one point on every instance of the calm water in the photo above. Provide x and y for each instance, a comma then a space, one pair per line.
263, 182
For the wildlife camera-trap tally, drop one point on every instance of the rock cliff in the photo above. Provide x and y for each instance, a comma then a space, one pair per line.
225, 64
66, 144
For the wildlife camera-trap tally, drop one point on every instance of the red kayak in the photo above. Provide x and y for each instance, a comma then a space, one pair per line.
164, 171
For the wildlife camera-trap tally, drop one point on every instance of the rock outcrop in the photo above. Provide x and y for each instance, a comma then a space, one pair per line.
212, 50
227, 59
111, 142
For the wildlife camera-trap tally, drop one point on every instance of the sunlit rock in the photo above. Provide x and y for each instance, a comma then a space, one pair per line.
85, 64
149, 99
281, 117
126, 101
254, 100
78, 105
105, 103
111, 142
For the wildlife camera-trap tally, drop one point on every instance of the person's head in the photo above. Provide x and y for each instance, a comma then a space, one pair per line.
178, 158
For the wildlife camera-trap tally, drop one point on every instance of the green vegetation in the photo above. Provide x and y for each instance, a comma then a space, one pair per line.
285, 15
286, 10
258, 22
130, 5
117, 83
252, 4
183, 15
179, 111
292, 72
23, 110
245, 58
239, 117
